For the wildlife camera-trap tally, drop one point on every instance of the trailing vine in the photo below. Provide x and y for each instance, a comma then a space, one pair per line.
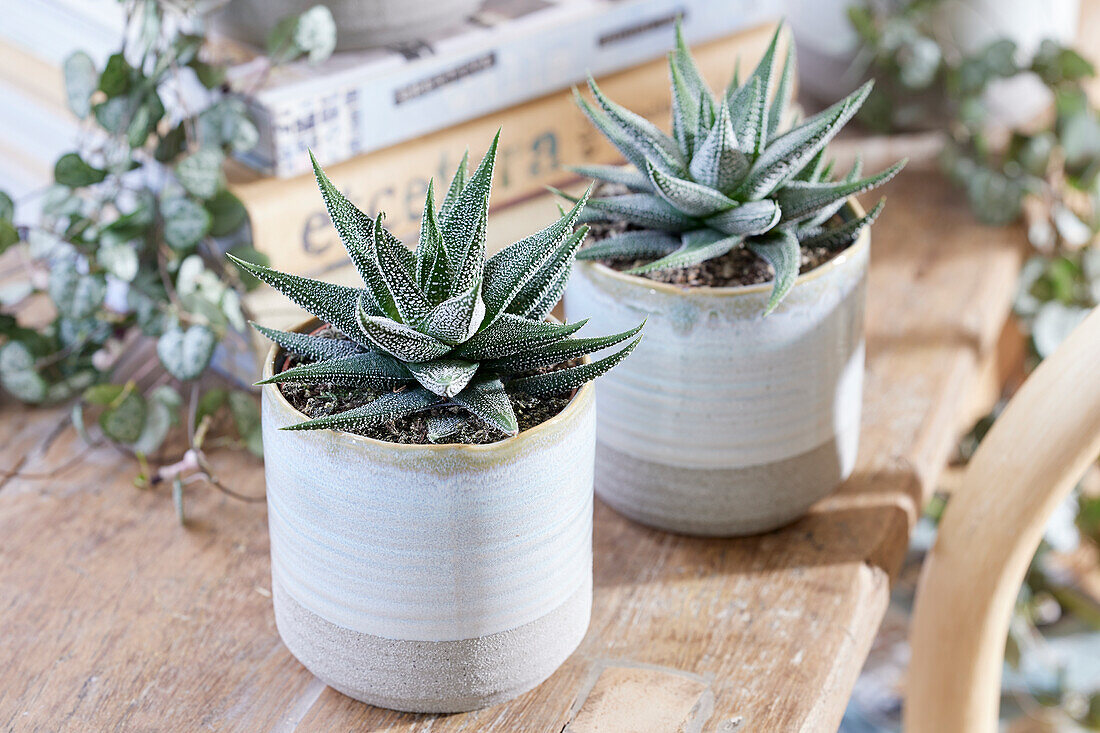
129, 247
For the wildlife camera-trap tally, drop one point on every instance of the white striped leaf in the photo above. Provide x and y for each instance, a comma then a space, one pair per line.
748, 219
780, 250
511, 333
458, 182
799, 200
335, 304
457, 318
390, 406
842, 235
313, 347
718, 161
557, 353
464, 226
508, 271
693, 199
403, 342
353, 226
657, 147
644, 209
792, 151
371, 370
570, 378
635, 244
698, 246
432, 267
444, 377
627, 176
486, 400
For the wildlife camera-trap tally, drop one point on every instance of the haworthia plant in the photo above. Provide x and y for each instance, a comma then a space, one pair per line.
443, 326
727, 176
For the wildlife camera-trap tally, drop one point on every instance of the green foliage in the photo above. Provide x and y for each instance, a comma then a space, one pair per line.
443, 325
920, 86
130, 240
735, 172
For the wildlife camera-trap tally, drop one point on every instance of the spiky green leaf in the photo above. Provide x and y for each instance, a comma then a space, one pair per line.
748, 219
718, 162
458, 182
570, 378
557, 353
314, 347
444, 377
750, 117
798, 199
782, 252
441, 427
432, 266
783, 93
644, 209
695, 86
634, 244
688, 197
403, 342
457, 318
623, 175
543, 291
390, 406
511, 333
486, 399
655, 145
611, 131
698, 246
353, 226
372, 370
464, 227
791, 152
509, 270
393, 265
335, 304
841, 236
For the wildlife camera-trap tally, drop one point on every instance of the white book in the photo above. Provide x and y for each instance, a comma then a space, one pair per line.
53, 29
510, 52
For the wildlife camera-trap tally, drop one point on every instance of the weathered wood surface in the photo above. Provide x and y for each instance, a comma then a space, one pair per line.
114, 617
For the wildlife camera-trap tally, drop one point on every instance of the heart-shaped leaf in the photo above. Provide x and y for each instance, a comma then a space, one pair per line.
185, 354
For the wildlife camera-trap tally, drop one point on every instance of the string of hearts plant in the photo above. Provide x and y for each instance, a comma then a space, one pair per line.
128, 246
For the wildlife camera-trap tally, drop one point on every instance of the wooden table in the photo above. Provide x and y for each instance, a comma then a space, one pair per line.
112, 616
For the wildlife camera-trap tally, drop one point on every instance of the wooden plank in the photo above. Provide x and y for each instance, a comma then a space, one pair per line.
112, 616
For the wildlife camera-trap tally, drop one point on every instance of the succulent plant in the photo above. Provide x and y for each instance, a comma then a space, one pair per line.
443, 325
726, 177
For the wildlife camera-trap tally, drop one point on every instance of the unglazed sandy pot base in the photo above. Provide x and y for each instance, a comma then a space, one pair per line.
433, 676
738, 501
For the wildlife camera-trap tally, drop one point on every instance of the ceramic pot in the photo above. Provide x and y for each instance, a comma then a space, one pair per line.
430, 578
723, 422
359, 23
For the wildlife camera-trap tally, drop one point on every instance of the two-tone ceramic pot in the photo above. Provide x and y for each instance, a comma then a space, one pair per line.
430, 578
725, 422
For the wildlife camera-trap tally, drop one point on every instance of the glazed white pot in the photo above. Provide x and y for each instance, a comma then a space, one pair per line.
359, 23
430, 578
723, 422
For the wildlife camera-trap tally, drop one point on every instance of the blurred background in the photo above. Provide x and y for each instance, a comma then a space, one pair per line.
140, 139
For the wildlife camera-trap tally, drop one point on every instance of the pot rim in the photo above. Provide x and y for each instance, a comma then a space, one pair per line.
581, 398
862, 242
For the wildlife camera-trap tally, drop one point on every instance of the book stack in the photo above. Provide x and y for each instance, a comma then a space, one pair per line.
36, 126
385, 121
